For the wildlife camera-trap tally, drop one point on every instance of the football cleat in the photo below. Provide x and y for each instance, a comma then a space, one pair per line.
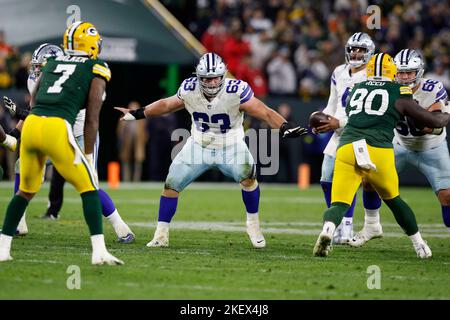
423, 250
368, 232
161, 238
104, 257
343, 234
129, 238
5, 255
124, 233
255, 234
323, 245
49, 216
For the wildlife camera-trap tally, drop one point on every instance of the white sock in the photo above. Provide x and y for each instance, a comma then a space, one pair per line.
115, 219
372, 216
98, 243
347, 221
416, 238
163, 225
5, 242
329, 227
252, 216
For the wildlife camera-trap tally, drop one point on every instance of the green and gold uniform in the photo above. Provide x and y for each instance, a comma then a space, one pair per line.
63, 90
371, 116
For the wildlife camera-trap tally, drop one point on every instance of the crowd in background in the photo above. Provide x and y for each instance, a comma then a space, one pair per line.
283, 48
287, 47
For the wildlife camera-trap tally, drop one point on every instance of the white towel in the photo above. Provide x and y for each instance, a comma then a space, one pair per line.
362, 155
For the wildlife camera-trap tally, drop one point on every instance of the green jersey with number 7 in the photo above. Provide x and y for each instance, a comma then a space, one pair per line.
64, 86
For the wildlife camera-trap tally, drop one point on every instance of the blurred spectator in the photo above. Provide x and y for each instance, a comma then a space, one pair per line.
315, 76
235, 47
439, 73
21, 76
132, 138
247, 71
7, 158
6, 50
160, 145
214, 37
286, 149
5, 77
281, 73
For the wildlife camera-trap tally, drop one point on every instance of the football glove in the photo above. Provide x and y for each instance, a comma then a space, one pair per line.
10, 143
288, 132
19, 112
134, 114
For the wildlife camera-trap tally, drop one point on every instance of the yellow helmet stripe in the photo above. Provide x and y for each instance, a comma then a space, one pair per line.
71, 33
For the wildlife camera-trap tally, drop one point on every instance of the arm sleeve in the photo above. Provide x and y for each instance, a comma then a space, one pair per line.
245, 92
331, 107
102, 70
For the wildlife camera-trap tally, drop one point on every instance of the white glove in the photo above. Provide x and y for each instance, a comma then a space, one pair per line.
10, 143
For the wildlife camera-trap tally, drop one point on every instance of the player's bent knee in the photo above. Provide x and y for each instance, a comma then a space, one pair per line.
26, 195
249, 184
444, 197
170, 193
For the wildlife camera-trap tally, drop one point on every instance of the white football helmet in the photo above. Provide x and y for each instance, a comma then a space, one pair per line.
40, 56
359, 40
211, 65
409, 60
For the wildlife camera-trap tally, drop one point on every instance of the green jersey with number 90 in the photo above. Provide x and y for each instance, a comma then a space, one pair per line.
372, 114
64, 86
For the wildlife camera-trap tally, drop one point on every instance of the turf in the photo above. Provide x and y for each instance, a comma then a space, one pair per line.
210, 256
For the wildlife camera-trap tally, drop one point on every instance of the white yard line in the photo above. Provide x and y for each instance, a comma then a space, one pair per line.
428, 230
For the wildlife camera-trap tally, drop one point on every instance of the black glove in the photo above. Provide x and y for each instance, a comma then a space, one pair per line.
288, 132
19, 112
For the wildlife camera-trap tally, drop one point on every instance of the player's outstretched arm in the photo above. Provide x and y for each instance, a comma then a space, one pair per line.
409, 107
154, 109
258, 109
94, 105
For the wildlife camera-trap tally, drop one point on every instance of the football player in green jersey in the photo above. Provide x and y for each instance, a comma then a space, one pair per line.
66, 85
366, 151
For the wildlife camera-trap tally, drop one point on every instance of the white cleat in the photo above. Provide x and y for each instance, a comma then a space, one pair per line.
255, 234
161, 238
423, 250
5, 255
368, 232
323, 245
124, 233
104, 257
343, 234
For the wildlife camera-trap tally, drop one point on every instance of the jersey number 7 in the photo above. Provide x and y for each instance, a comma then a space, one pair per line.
66, 70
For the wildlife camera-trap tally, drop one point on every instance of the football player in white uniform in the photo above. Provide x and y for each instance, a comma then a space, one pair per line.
358, 51
217, 105
39, 58
424, 148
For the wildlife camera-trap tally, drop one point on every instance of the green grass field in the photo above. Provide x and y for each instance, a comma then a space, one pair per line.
210, 256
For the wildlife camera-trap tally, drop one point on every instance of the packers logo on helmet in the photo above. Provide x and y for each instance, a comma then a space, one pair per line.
82, 39
381, 67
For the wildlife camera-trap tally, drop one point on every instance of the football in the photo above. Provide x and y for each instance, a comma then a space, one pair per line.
316, 117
